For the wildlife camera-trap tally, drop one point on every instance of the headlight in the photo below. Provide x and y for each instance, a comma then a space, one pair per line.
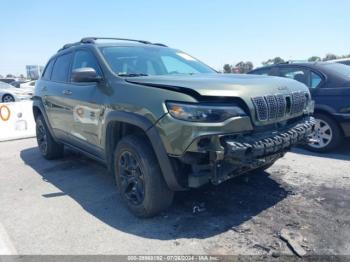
203, 113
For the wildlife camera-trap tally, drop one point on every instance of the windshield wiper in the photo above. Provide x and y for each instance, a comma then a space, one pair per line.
132, 74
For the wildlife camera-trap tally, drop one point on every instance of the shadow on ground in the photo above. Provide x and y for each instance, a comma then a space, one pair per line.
340, 153
223, 207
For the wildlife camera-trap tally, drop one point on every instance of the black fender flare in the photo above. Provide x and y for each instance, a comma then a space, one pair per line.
38, 104
152, 133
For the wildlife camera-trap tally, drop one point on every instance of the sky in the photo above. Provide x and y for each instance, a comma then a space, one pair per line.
215, 32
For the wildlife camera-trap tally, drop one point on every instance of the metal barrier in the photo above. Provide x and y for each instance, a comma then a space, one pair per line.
16, 120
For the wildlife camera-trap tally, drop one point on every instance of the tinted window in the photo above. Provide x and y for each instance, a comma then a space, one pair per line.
47, 73
60, 68
85, 59
345, 62
296, 73
262, 71
315, 80
7, 80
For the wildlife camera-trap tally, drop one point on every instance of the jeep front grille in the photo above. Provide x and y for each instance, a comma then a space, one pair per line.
272, 107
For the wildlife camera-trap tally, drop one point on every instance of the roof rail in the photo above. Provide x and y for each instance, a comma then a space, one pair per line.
294, 62
160, 44
92, 40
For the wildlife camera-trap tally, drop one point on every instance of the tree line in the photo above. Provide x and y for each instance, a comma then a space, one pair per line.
12, 76
244, 67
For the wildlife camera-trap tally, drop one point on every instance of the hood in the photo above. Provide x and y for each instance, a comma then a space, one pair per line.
244, 87
225, 85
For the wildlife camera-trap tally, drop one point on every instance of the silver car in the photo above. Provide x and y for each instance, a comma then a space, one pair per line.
9, 93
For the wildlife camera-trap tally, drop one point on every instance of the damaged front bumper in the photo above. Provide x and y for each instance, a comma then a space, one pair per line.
243, 153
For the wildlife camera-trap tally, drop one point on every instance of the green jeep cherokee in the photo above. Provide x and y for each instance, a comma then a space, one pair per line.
161, 120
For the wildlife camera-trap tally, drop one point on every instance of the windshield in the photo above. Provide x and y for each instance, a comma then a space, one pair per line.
138, 61
338, 69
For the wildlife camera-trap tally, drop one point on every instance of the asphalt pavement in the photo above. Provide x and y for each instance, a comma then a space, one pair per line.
71, 206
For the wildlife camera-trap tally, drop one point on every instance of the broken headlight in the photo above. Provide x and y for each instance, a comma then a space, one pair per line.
203, 113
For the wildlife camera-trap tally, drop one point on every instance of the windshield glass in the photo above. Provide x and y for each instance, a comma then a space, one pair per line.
136, 61
338, 69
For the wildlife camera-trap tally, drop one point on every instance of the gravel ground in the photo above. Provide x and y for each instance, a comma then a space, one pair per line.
70, 206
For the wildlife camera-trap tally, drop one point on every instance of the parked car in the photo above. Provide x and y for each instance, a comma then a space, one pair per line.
9, 93
329, 84
18, 83
344, 61
7, 80
162, 121
28, 84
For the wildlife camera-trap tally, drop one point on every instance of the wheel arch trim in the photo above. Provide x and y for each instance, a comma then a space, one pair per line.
152, 134
38, 105
331, 113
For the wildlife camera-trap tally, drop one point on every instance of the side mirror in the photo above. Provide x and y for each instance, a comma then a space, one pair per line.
85, 74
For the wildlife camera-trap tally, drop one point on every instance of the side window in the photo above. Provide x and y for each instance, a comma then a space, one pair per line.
176, 66
345, 62
296, 73
315, 80
48, 69
61, 68
83, 59
262, 71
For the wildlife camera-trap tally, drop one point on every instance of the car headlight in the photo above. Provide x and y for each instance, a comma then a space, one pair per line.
203, 113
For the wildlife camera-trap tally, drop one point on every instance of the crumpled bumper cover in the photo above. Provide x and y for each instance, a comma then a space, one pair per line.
248, 152
243, 153
260, 145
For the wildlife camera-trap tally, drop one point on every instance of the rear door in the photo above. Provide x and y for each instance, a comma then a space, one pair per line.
54, 94
332, 94
297, 73
309, 77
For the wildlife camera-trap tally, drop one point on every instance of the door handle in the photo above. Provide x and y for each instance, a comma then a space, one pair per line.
44, 88
67, 92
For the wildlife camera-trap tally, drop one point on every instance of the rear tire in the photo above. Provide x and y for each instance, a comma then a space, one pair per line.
139, 178
47, 145
327, 132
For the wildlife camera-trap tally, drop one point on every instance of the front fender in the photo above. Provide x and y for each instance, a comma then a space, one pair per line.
152, 133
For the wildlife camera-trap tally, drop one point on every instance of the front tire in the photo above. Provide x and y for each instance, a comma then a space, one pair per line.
8, 98
47, 145
139, 178
327, 132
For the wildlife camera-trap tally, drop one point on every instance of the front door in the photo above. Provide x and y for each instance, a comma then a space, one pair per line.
87, 103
